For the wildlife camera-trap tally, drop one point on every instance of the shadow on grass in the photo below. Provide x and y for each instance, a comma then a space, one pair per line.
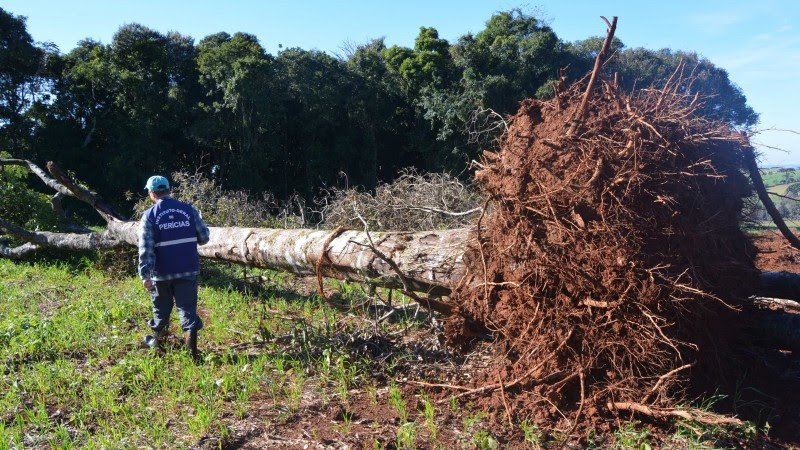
261, 284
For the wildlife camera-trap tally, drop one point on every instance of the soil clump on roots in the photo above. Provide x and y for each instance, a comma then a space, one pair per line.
610, 261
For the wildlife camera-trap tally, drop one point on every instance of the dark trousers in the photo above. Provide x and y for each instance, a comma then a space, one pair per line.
183, 292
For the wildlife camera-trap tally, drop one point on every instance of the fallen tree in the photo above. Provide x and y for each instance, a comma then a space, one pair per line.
429, 262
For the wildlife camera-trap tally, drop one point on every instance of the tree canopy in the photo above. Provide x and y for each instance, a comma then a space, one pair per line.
298, 120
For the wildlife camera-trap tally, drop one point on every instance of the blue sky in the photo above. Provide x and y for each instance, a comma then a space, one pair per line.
757, 42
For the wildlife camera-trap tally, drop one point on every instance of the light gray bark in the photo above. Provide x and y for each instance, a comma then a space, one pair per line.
432, 261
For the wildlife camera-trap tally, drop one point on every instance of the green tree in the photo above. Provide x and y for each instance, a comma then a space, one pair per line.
22, 65
514, 57
123, 107
20, 204
429, 64
316, 139
640, 67
379, 116
296, 121
237, 77
583, 53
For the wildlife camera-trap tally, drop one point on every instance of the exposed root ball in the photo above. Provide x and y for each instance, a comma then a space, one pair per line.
611, 252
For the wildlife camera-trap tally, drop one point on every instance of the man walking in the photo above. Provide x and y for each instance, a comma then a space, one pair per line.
169, 233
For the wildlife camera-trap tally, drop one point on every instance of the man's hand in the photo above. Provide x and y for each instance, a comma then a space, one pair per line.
148, 284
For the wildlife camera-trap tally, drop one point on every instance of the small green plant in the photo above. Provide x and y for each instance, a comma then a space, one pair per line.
483, 440
429, 412
295, 392
345, 376
455, 408
200, 422
398, 403
531, 434
347, 423
407, 436
372, 394
471, 421
480, 438
631, 436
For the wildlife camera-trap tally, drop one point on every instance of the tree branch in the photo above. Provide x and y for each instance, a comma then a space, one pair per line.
691, 414
70, 241
598, 62
18, 252
783, 196
440, 211
84, 195
429, 303
50, 182
65, 186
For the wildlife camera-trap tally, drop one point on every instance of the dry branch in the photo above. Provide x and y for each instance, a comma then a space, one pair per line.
82, 194
18, 252
69, 241
49, 181
598, 64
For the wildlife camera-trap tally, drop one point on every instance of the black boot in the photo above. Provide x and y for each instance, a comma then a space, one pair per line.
156, 340
190, 338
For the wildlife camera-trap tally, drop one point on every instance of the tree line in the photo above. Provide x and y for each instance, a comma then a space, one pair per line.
299, 120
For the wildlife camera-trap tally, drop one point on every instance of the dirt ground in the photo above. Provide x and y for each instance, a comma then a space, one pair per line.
368, 418
775, 253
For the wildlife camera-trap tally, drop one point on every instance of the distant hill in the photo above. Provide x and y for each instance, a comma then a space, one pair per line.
781, 182
780, 175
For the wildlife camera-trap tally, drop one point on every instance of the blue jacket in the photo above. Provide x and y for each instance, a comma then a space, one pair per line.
168, 236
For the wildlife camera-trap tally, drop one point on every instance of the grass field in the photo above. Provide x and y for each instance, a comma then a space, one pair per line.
776, 176
76, 376
780, 182
780, 188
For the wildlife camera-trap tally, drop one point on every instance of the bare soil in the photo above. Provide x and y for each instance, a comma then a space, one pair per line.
775, 254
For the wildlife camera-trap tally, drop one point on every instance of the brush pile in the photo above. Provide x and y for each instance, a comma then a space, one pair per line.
611, 255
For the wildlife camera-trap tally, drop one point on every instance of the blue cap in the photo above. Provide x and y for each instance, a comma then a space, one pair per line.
157, 183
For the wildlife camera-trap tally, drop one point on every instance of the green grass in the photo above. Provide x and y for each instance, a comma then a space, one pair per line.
769, 225
780, 189
76, 376
773, 177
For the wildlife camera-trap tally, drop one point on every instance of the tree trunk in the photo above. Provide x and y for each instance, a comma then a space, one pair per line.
431, 261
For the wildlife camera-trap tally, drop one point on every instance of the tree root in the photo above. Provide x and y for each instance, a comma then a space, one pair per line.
691, 414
